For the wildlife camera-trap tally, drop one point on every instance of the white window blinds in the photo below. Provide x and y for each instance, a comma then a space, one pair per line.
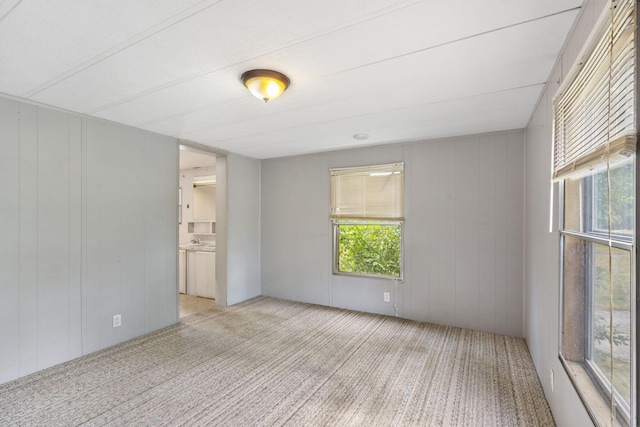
594, 116
371, 192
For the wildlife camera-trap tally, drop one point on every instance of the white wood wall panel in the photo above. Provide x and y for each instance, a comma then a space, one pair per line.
296, 213
88, 226
166, 171
101, 232
28, 247
243, 228
463, 232
487, 229
10, 241
514, 205
75, 235
132, 233
468, 225
151, 223
56, 282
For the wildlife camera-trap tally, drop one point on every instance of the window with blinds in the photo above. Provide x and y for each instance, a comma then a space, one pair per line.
371, 192
367, 212
594, 116
594, 162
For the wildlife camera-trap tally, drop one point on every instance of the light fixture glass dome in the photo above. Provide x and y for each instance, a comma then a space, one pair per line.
265, 84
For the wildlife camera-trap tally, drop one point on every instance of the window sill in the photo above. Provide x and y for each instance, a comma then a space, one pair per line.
598, 408
368, 276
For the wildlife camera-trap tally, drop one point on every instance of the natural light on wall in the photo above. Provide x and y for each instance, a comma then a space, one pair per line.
594, 161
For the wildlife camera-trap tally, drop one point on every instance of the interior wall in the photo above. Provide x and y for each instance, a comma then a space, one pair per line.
463, 233
542, 324
237, 229
88, 230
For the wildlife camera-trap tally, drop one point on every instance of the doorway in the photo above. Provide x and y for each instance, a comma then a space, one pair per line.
196, 230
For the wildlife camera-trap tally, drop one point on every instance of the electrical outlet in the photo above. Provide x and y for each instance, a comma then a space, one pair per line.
387, 297
117, 320
551, 376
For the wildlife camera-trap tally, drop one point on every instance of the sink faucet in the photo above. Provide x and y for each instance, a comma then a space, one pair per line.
196, 241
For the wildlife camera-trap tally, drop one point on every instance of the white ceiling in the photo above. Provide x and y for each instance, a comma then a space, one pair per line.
195, 159
399, 70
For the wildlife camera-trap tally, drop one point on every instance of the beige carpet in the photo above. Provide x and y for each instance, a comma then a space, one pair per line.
272, 362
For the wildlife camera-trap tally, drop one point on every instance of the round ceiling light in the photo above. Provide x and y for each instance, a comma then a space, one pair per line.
265, 84
361, 136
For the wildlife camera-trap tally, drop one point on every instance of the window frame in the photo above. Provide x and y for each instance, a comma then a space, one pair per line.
336, 223
353, 203
601, 384
594, 125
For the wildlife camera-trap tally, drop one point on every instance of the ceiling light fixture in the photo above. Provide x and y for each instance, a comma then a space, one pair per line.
265, 84
361, 136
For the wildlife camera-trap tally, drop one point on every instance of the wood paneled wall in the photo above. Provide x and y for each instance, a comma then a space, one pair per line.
463, 234
88, 230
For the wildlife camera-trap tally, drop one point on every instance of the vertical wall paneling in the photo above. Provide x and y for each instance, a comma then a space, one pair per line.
467, 225
221, 230
501, 237
514, 197
101, 229
243, 228
130, 232
463, 205
53, 227
168, 183
426, 194
10, 241
132, 235
488, 225
151, 224
298, 267
28, 247
75, 237
446, 235
88, 223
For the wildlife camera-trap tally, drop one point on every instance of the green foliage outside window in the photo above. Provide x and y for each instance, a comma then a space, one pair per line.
370, 249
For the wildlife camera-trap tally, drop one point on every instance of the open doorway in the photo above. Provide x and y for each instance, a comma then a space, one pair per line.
196, 231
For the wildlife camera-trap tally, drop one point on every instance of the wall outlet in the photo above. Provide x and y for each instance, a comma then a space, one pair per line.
387, 297
551, 378
117, 320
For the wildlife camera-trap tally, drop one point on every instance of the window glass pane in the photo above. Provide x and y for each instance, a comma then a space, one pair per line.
621, 200
369, 249
597, 303
611, 317
586, 207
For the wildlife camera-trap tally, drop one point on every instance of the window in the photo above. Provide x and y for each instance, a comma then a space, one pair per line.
367, 212
594, 160
597, 274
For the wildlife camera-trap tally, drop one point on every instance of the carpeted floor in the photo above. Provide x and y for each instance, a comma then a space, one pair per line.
270, 362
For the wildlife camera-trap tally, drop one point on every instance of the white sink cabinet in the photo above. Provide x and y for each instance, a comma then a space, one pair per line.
182, 271
201, 273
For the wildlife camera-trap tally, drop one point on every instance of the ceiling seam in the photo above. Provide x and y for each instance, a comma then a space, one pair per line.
10, 9
367, 114
228, 101
316, 35
141, 36
484, 33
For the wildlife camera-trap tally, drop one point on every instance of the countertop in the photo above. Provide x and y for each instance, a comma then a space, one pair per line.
198, 247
